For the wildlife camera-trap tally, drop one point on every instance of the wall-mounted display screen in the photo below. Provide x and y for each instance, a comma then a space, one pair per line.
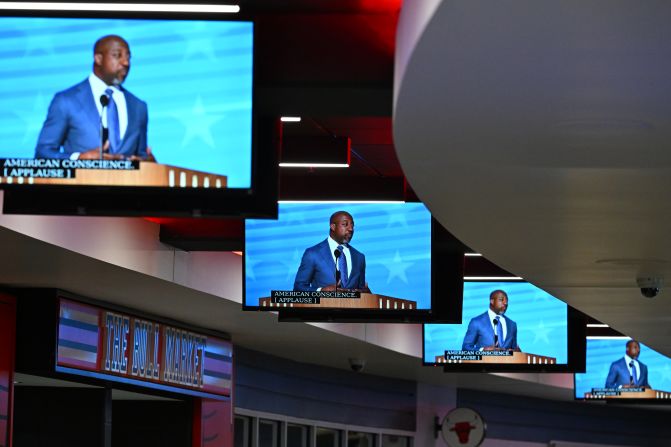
372, 256
619, 368
179, 91
137, 105
506, 326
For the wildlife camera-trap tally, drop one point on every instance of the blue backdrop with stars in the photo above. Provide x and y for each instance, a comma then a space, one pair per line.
394, 237
601, 352
541, 320
195, 76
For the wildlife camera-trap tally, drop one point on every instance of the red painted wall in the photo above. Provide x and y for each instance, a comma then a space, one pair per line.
212, 423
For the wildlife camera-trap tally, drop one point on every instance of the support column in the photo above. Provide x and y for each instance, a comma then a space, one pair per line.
212, 423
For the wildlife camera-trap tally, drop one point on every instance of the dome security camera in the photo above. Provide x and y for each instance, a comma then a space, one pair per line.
356, 365
650, 285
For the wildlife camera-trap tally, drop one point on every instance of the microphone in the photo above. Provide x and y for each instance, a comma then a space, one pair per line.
337, 254
496, 337
104, 101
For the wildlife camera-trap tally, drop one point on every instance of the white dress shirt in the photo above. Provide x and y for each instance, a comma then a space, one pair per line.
502, 322
98, 88
333, 245
628, 360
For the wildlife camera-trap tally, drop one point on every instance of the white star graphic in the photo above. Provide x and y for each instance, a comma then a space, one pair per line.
541, 333
395, 218
250, 263
37, 42
397, 268
292, 264
666, 374
296, 217
604, 373
33, 126
428, 335
198, 41
198, 123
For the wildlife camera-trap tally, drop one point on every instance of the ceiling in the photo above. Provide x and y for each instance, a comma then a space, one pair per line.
27, 380
330, 62
537, 132
533, 130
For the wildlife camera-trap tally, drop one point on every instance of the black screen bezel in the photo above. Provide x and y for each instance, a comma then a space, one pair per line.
446, 292
259, 200
576, 331
626, 401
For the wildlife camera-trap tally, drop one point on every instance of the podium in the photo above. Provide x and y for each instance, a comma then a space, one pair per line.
647, 393
148, 174
519, 358
367, 301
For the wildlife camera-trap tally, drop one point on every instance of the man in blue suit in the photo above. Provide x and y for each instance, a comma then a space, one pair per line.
628, 372
492, 331
72, 127
318, 266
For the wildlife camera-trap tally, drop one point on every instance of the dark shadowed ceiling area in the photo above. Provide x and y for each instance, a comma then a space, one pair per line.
331, 63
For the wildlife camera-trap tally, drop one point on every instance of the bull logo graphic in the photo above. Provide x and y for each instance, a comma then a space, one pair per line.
462, 427
463, 430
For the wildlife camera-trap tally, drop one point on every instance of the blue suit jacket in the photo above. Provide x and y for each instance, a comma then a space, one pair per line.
317, 269
73, 125
619, 374
481, 334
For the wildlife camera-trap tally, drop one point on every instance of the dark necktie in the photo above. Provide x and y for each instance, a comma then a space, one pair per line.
634, 376
113, 124
499, 330
342, 266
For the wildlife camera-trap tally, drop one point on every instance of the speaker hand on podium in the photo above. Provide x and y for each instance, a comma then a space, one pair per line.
94, 154
150, 157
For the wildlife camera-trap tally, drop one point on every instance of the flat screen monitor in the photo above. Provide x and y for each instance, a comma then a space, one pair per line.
296, 265
130, 114
622, 369
506, 326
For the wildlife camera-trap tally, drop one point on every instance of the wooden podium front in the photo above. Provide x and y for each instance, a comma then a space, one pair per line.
520, 358
149, 174
367, 301
648, 393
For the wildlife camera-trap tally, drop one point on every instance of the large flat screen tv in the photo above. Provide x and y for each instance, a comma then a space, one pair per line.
533, 331
131, 113
384, 270
624, 370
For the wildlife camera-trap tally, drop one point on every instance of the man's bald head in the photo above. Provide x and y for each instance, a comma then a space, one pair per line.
104, 41
341, 227
111, 59
336, 216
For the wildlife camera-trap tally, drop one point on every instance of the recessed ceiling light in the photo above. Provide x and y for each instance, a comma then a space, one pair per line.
341, 201
129, 7
314, 165
290, 119
606, 337
493, 278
